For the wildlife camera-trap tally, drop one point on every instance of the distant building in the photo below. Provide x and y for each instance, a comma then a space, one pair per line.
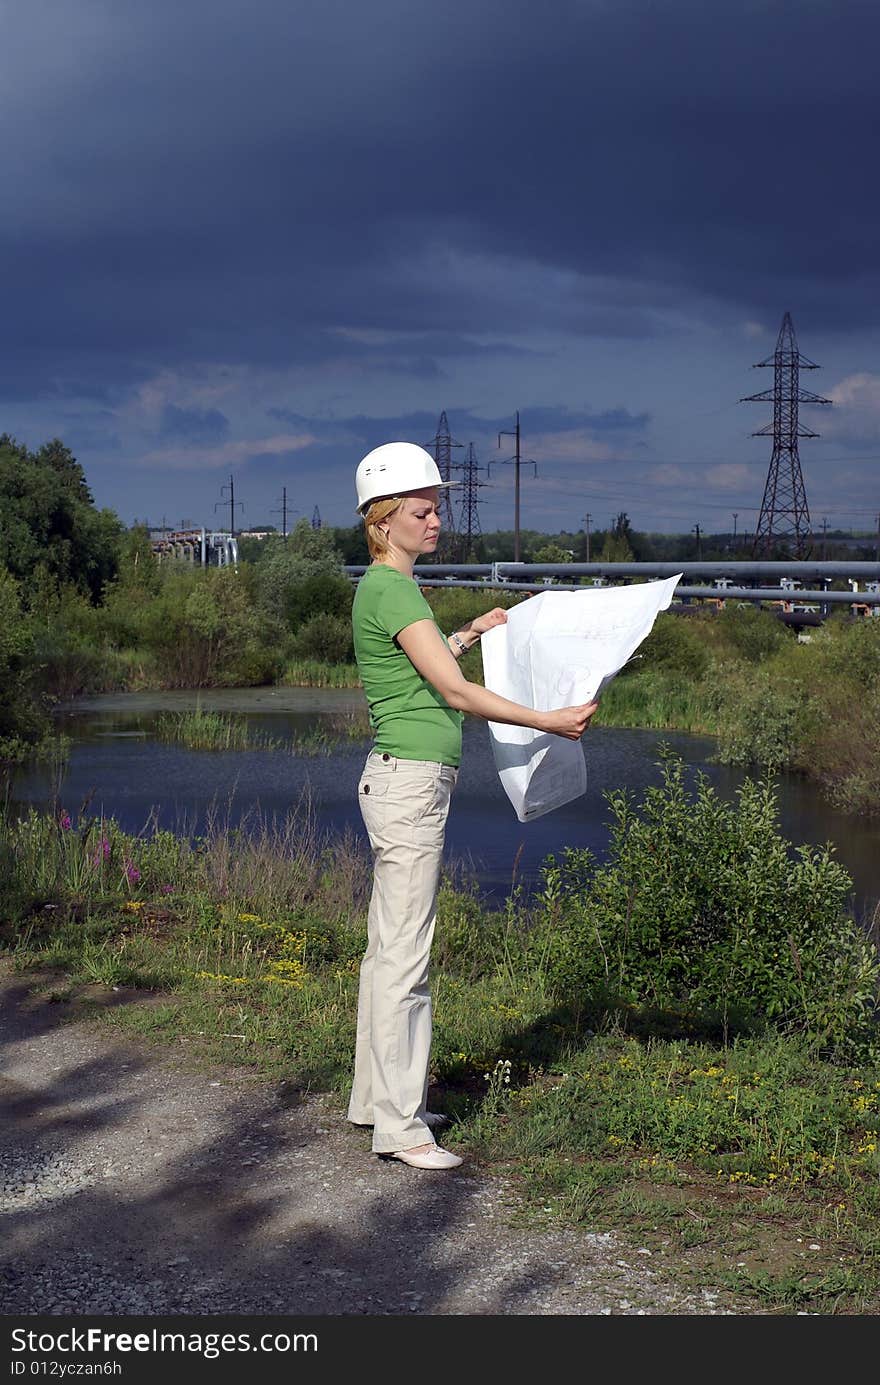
207, 547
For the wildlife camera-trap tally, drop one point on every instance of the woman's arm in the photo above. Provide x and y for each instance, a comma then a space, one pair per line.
466, 636
424, 647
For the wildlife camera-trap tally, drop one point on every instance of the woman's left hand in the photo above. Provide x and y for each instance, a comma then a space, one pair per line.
483, 623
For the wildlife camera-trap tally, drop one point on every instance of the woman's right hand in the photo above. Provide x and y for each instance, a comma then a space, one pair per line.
570, 722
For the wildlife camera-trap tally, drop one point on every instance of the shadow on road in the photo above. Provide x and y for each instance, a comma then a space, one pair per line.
133, 1184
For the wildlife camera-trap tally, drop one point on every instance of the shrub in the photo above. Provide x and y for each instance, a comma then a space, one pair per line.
204, 630
850, 648
322, 594
703, 907
842, 749
326, 638
286, 563
677, 645
751, 633
761, 722
23, 721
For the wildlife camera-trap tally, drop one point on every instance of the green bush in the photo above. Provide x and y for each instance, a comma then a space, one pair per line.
850, 648
704, 908
677, 644
203, 630
322, 594
761, 721
325, 638
287, 563
750, 632
23, 721
841, 747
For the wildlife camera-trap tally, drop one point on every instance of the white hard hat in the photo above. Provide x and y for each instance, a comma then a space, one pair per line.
395, 468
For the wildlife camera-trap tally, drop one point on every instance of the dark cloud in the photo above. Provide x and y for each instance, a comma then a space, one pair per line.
395, 193
193, 425
223, 173
562, 419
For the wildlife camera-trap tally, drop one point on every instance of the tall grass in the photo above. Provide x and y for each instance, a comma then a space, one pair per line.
310, 673
204, 730
657, 701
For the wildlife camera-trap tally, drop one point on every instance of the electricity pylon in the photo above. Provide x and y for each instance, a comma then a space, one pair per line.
443, 443
784, 511
469, 516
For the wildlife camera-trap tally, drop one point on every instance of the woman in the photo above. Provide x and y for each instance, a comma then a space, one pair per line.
417, 695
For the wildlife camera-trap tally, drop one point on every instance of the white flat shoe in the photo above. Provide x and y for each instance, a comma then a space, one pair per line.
435, 1158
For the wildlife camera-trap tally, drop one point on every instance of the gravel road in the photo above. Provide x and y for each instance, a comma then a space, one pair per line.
135, 1181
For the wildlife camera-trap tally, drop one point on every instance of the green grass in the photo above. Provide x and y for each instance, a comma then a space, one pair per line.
657, 701
727, 1161
202, 730
311, 673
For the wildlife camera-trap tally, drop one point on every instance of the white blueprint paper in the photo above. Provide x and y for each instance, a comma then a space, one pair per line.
556, 650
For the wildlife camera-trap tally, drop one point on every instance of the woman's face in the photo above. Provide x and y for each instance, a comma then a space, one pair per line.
415, 527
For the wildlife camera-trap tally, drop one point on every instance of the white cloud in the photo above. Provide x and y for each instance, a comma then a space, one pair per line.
855, 418
199, 389
729, 476
668, 475
575, 445
860, 391
188, 458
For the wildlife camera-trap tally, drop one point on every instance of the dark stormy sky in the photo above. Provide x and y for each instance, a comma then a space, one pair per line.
257, 239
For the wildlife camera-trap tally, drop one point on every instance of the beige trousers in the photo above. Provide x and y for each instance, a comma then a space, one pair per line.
404, 804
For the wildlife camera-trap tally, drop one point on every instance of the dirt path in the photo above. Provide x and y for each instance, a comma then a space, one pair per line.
133, 1181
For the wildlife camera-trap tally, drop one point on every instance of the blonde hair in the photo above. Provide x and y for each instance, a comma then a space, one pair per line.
378, 511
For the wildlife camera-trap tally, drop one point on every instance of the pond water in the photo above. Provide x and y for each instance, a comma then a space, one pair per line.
119, 768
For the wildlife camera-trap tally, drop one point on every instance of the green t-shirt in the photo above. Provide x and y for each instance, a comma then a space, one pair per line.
408, 716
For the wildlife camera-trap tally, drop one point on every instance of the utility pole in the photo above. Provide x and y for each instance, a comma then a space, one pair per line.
517, 462
696, 530
784, 512
735, 517
284, 512
316, 518
232, 504
587, 518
